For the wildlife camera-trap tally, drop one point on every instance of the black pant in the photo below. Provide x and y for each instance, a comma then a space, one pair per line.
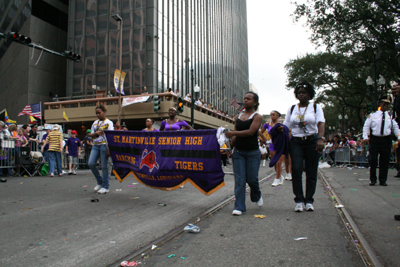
304, 151
379, 146
223, 158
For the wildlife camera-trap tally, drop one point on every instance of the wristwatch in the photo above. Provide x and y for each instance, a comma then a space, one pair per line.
321, 137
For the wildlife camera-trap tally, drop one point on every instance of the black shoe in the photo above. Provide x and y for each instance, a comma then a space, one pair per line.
397, 175
372, 184
383, 184
397, 217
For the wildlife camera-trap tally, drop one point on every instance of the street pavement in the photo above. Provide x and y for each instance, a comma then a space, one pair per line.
52, 222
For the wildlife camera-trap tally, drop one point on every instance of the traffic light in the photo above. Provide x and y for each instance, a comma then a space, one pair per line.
180, 105
369, 108
156, 103
71, 55
16, 37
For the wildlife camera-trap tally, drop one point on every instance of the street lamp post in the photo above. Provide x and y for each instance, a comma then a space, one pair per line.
119, 19
192, 97
382, 82
370, 83
195, 91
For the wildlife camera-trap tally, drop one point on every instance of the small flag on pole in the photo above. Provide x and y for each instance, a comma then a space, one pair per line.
7, 120
32, 120
65, 118
119, 77
117, 74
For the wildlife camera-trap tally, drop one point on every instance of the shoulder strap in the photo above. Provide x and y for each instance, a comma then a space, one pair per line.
252, 115
315, 109
291, 110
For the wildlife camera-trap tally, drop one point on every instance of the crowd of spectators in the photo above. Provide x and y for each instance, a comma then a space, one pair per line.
357, 152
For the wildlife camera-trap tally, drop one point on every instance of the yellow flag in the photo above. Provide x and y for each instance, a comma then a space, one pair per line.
65, 118
117, 75
32, 120
7, 120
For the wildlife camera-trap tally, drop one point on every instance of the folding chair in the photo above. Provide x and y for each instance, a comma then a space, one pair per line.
37, 160
26, 161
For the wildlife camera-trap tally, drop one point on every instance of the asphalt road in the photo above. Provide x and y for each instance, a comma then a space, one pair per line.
52, 222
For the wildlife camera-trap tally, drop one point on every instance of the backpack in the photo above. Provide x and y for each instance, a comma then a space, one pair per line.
315, 109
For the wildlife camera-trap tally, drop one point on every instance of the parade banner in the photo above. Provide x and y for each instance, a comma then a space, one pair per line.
167, 160
126, 101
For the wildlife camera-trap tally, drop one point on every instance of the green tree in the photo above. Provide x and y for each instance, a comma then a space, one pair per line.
355, 33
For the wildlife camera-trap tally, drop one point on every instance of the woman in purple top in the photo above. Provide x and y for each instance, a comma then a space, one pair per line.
278, 166
149, 126
174, 124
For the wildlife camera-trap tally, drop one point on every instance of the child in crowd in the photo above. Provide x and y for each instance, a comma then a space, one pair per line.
72, 148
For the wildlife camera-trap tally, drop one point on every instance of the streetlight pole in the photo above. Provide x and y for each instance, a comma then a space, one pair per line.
192, 97
119, 19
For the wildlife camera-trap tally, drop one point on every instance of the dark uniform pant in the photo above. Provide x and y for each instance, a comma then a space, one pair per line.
382, 146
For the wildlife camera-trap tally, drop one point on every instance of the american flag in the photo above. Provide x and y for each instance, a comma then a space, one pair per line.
235, 103
33, 110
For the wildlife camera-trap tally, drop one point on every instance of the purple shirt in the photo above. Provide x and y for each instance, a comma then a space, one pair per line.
46, 147
73, 144
154, 130
173, 127
268, 127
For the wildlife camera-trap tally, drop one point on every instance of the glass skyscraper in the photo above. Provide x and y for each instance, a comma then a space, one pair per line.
165, 44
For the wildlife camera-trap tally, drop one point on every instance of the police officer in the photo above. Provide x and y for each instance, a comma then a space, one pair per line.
381, 125
396, 114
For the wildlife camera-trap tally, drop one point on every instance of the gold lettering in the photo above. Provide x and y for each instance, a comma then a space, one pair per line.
187, 141
200, 166
116, 139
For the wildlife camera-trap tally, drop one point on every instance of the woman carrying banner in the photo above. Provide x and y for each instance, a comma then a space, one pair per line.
99, 149
246, 156
149, 126
174, 124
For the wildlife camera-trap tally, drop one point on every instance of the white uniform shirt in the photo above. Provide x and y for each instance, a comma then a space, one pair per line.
103, 125
374, 122
311, 117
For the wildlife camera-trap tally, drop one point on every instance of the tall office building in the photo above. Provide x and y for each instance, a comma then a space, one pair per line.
165, 44
26, 75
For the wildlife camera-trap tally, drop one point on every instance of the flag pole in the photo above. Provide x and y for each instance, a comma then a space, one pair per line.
41, 118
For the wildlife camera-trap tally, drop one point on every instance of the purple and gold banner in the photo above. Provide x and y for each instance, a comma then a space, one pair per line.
167, 160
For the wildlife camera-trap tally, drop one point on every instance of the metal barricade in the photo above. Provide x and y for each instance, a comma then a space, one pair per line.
342, 156
34, 145
9, 156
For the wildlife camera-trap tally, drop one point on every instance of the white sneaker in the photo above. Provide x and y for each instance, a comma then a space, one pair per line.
281, 180
69, 172
260, 202
51, 174
74, 172
97, 188
289, 175
309, 207
236, 212
103, 191
299, 207
275, 183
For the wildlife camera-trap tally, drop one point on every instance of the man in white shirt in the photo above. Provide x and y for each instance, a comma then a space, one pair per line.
5, 153
381, 125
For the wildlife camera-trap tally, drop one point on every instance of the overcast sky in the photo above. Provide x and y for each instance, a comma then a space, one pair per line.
273, 40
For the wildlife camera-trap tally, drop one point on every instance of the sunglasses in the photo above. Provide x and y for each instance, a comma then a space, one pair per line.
301, 86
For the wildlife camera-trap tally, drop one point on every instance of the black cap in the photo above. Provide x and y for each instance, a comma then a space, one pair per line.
385, 98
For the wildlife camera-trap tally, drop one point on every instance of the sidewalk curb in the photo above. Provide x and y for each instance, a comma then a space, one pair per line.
361, 240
